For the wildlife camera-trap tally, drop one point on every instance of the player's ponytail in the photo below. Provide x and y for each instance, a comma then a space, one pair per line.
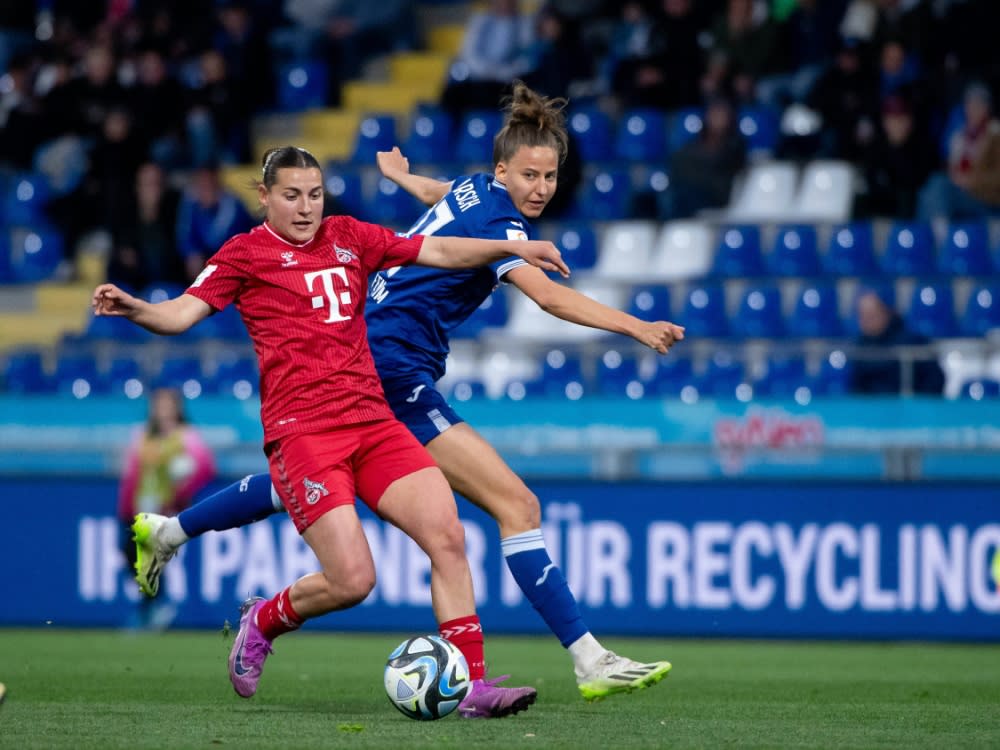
531, 120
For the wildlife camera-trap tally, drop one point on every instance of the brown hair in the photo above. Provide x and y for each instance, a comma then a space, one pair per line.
282, 157
531, 120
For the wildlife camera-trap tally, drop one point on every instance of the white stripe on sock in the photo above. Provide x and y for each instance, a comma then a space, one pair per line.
523, 542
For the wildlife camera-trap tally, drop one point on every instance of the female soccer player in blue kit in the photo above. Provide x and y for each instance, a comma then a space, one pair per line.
410, 313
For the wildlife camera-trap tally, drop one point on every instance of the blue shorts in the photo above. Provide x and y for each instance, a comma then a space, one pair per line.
418, 404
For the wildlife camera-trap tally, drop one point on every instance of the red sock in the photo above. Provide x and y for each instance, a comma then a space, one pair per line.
467, 634
277, 616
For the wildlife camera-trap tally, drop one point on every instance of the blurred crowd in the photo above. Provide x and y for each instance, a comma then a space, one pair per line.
113, 101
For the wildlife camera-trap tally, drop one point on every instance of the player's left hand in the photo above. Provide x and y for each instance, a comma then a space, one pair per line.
659, 335
392, 162
542, 254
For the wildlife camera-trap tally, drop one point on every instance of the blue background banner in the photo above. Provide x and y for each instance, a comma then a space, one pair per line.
841, 560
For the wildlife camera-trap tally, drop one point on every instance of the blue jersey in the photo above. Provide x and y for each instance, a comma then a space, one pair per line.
412, 310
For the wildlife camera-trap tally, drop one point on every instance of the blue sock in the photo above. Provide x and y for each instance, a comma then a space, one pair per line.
544, 585
239, 504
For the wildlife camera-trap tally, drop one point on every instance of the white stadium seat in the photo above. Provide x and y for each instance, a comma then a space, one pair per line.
625, 249
683, 251
766, 193
826, 193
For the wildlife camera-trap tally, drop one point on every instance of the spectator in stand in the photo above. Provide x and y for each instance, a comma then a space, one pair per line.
908, 22
702, 171
878, 369
556, 58
208, 215
847, 100
970, 188
21, 121
897, 163
160, 100
240, 39
218, 114
87, 99
494, 52
145, 250
744, 50
166, 465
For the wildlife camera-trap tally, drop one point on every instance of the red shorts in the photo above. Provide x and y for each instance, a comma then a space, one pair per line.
315, 472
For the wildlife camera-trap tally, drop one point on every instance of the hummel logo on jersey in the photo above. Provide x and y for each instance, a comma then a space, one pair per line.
289, 259
314, 491
343, 254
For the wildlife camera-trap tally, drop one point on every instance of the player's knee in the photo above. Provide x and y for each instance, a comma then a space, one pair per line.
350, 587
450, 539
519, 511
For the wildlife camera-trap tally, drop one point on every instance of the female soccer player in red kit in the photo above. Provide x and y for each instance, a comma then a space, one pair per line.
299, 282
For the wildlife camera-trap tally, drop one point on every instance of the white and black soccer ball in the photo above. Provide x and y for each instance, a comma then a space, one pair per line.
426, 677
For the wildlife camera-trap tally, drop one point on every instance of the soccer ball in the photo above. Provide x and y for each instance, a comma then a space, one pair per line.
426, 677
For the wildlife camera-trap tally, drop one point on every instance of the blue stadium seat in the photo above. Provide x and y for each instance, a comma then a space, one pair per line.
932, 311
720, 378
104, 328
124, 376
759, 314
965, 251
24, 373
430, 137
236, 377
375, 133
980, 389
466, 390
302, 85
834, 376
670, 376
76, 375
475, 137
685, 125
35, 252
24, 198
794, 252
738, 252
606, 195
6, 272
592, 129
578, 244
759, 127
618, 375
642, 136
492, 313
560, 369
704, 313
982, 311
816, 312
392, 205
343, 182
782, 378
909, 250
851, 251
177, 371
650, 302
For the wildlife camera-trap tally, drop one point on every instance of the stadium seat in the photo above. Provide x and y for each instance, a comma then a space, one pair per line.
720, 378
577, 243
683, 251
738, 253
794, 252
430, 137
123, 377
642, 136
965, 251
625, 250
759, 127
23, 372
782, 378
685, 125
834, 376
344, 184
816, 313
669, 376
76, 375
851, 251
982, 311
103, 328
35, 252
492, 313
932, 311
466, 390
618, 374
825, 193
759, 314
236, 377
392, 205
375, 133
650, 302
981, 389
500, 367
765, 193
177, 371
25, 195
704, 313
560, 368
302, 85
475, 137
605, 195
593, 134
909, 250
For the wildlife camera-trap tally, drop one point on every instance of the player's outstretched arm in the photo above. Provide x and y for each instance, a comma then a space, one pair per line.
396, 167
465, 252
568, 304
165, 318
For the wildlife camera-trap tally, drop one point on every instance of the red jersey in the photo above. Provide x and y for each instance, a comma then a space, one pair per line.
303, 306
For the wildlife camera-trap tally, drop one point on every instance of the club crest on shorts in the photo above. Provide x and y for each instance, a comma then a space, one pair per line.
314, 491
343, 254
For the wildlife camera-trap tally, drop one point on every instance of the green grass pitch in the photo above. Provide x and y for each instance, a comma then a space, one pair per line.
101, 689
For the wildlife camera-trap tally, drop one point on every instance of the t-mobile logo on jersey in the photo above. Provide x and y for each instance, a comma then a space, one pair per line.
329, 295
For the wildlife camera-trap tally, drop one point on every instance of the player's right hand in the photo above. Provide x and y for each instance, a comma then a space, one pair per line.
542, 254
108, 299
392, 162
